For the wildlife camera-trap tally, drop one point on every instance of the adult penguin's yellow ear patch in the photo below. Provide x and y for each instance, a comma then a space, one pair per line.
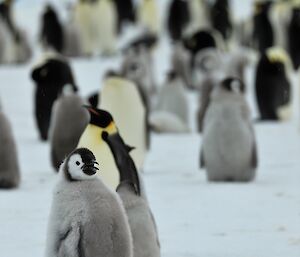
277, 54
111, 128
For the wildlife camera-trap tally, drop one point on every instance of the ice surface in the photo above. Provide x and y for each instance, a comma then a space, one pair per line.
195, 218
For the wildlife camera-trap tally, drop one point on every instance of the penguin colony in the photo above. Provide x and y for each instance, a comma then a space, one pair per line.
99, 145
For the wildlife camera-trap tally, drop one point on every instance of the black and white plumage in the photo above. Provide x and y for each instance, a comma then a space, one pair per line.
228, 145
178, 19
221, 18
52, 32
68, 121
294, 37
50, 77
140, 217
272, 85
126, 12
171, 113
86, 219
9, 165
263, 34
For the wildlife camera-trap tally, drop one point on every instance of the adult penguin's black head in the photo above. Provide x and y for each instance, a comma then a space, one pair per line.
99, 118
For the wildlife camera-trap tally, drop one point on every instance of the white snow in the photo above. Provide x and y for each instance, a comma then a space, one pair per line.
195, 218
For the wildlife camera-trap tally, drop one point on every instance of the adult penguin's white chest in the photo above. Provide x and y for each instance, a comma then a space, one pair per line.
91, 139
120, 97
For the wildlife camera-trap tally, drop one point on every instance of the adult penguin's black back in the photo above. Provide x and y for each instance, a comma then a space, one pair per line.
294, 38
263, 34
126, 12
220, 17
52, 30
272, 86
178, 19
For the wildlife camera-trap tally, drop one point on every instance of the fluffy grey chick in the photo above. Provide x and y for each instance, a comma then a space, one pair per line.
141, 220
229, 148
87, 219
9, 165
68, 122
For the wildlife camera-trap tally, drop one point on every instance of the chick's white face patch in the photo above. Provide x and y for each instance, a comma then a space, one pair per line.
75, 165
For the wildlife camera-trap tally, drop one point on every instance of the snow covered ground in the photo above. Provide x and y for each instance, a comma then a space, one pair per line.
195, 218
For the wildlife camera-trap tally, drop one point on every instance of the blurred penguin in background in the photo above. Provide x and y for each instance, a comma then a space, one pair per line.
221, 18
178, 19
9, 167
294, 37
68, 122
228, 146
105, 24
200, 15
52, 33
141, 220
148, 15
3, 42
207, 75
126, 12
93, 99
83, 18
72, 41
180, 62
263, 34
272, 85
171, 113
200, 40
137, 66
50, 76
121, 98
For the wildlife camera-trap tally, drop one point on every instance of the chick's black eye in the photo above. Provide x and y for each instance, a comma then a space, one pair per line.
77, 163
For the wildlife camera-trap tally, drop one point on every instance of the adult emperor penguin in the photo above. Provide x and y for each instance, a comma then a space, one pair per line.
52, 32
9, 168
172, 104
140, 217
50, 76
148, 15
263, 34
122, 99
200, 15
87, 218
178, 19
273, 88
228, 146
68, 122
221, 18
294, 37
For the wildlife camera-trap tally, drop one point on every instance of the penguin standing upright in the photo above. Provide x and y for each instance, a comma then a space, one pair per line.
50, 77
263, 34
105, 24
87, 218
272, 85
228, 145
148, 14
52, 34
126, 12
140, 217
294, 37
121, 98
200, 15
178, 19
101, 120
221, 18
9, 167
173, 105
68, 122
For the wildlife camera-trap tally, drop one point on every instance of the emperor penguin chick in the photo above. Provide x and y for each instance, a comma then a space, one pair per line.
9, 168
68, 122
172, 101
140, 217
87, 219
228, 148
121, 98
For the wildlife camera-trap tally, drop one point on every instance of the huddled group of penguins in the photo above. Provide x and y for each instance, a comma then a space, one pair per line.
110, 130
